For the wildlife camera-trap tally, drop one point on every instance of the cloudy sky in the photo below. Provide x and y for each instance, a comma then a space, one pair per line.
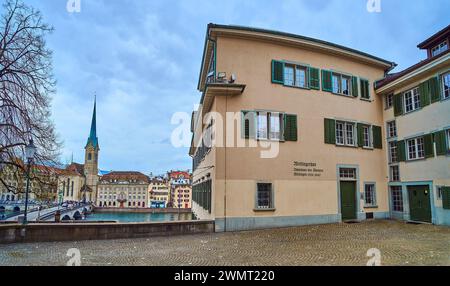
142, 59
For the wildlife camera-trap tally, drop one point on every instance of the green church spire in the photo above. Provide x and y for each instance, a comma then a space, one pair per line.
93, 140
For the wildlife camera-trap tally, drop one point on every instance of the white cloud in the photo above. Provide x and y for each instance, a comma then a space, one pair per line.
142, 58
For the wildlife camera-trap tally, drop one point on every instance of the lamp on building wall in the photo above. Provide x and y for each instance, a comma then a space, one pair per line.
30, 152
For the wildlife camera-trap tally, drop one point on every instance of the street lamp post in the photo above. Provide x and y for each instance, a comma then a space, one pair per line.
30, 151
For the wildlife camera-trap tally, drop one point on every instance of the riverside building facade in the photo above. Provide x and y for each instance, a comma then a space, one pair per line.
123, 190
305, 139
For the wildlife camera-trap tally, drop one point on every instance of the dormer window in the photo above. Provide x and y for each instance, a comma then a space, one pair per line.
442, 47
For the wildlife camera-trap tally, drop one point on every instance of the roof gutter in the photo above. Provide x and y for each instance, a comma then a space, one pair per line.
207, 39
313, 41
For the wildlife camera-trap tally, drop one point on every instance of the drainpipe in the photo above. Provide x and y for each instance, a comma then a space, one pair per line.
225, 177
225, 137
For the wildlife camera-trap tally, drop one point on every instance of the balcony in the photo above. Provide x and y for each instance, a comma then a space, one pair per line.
219, 88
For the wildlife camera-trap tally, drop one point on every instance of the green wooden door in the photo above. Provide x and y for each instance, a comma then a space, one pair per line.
348, 200
419, 203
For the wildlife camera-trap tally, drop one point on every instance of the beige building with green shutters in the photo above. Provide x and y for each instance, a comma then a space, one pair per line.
291, 131
417, 120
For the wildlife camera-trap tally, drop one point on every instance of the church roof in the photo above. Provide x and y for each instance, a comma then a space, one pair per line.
75, 167
93, 139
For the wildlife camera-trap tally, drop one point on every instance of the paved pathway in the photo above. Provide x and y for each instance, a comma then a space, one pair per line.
336, 244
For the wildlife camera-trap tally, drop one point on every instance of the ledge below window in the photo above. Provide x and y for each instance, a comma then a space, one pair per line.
368, 148
347, 146
370, 207
264, 210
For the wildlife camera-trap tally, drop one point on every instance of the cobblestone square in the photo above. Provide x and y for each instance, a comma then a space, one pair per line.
336, 244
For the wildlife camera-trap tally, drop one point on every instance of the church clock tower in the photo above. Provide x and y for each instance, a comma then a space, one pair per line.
91, 158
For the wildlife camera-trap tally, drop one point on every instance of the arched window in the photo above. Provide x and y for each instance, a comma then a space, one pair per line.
89, 157
71, 190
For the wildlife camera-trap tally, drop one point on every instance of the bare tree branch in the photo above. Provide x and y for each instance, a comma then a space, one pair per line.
26, 86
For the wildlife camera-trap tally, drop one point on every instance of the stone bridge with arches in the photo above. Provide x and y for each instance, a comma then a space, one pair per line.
68, 214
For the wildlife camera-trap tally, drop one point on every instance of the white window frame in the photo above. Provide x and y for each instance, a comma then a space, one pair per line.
337, 81
392, 173
442, 47
389, 101
445, 92
448, 139
413, 151
393, 146
267, 115
391, 129
350, 134
296, 78
340, 133
373, 195
415, 100
367, 137
259, 132
345, 138
288, 78
275, 115
347, 174
397, 189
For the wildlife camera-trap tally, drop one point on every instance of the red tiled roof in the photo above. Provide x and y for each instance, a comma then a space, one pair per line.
54, 171
75, 167
391, 77
177, 174
127, 175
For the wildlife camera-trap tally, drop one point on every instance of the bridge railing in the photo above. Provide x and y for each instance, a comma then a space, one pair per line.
33, 210
14, 214
62, 212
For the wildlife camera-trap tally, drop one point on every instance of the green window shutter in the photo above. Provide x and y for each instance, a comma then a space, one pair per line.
401, 151
377, 137
360, 134
441, 143
355, 86
290, 127
435, 90
446, 198
326, 80
365, 93
428, 141
249, 124
367, 89
398, 104
330, 131
277, 72
314, 78
424, 92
